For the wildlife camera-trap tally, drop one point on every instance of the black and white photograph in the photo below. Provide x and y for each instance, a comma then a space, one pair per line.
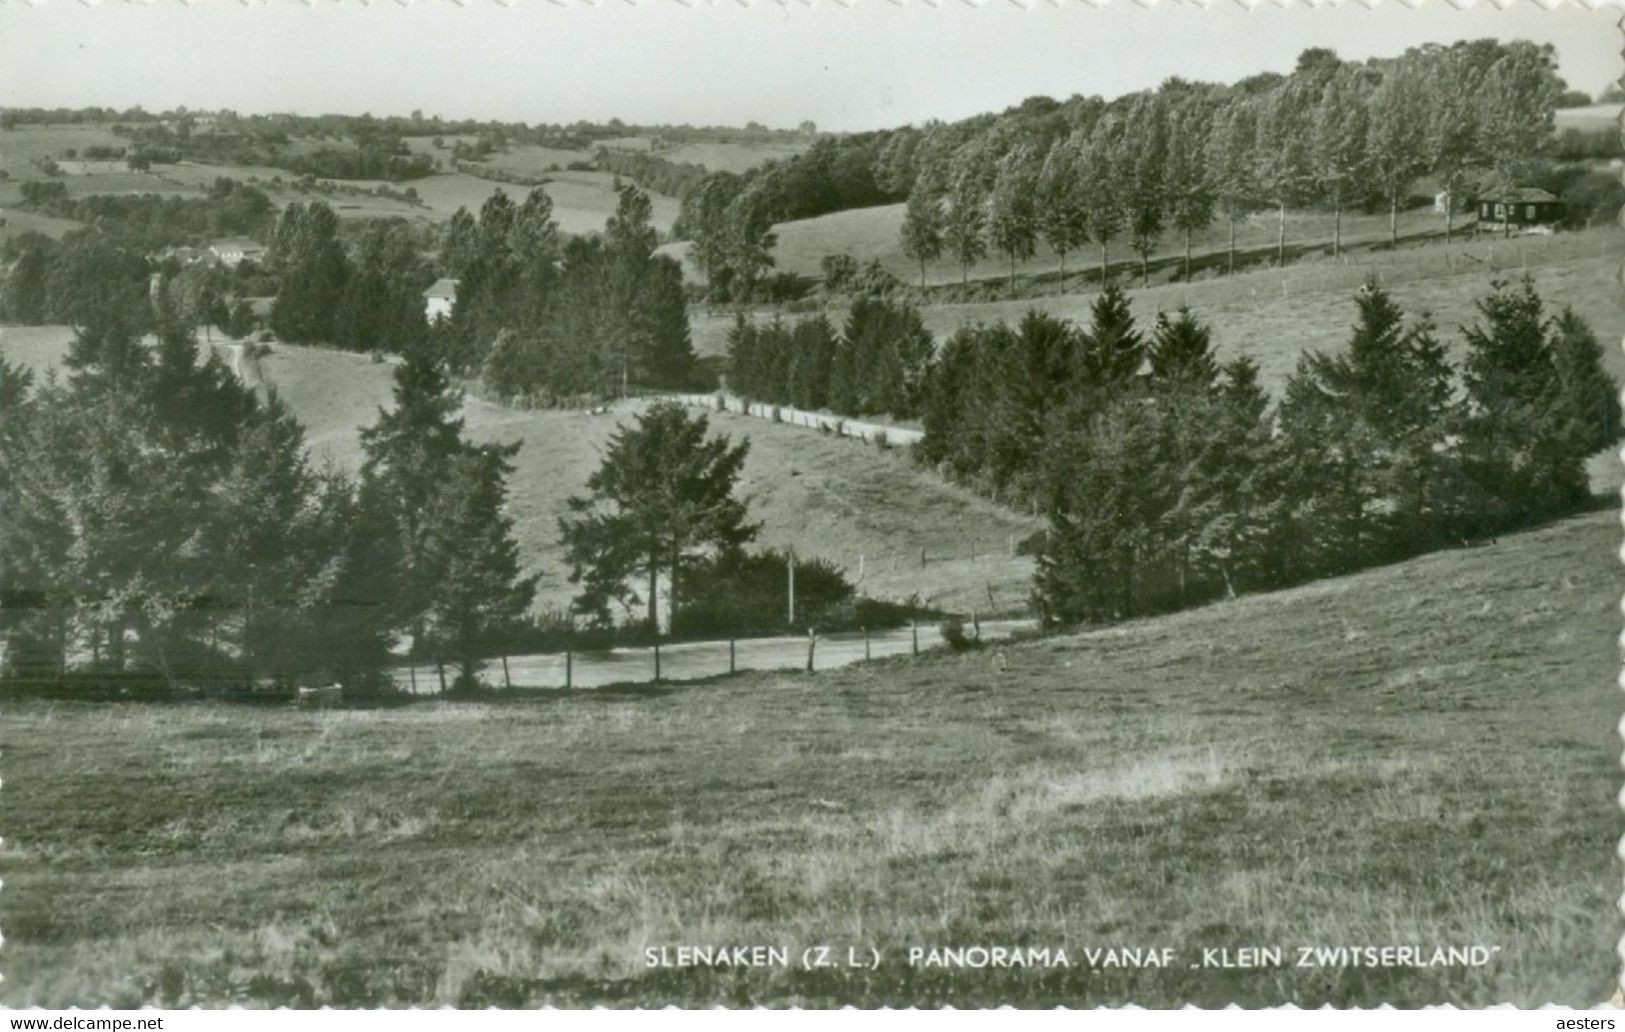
555, 505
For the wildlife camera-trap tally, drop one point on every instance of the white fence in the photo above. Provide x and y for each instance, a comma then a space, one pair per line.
862, 430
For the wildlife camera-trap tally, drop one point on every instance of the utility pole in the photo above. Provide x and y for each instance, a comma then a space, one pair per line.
790, 569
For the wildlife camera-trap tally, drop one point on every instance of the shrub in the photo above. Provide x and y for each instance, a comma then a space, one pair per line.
953, 632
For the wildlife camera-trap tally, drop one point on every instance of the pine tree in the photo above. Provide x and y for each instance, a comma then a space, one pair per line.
1181, 351
1518, 447
1585, 391
1111, 350
481, 591
410, 451
662, 499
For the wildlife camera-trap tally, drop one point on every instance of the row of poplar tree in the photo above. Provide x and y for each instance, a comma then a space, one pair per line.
1085, 170
1332, 133
1168, 478
165, 525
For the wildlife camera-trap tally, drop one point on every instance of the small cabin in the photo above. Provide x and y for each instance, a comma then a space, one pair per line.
1527, 209
439, 299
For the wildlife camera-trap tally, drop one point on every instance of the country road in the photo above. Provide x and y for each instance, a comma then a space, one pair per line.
690, 661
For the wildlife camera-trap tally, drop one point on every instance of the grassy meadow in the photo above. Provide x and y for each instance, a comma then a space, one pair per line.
1594, 118
1273, 315
1420, 754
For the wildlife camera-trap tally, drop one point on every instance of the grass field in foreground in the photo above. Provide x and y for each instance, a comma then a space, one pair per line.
1418, 754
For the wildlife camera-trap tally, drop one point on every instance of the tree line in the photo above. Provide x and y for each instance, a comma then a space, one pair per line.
542, 317
651, 171
729, 216
1175, 159
1169, 478
1179, 158
873, 366
165, 526
153, 221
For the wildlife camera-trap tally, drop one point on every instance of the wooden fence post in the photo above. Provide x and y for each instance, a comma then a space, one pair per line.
914, 631
506, 682
866, 643
976, 625
657, 657
730, 655
569, 664
812, 642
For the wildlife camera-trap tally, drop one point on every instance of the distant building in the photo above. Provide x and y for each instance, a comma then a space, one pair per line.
1525, 209
233, 252
439, 298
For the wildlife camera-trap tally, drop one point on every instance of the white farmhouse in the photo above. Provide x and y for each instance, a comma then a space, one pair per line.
439, 298
236, 251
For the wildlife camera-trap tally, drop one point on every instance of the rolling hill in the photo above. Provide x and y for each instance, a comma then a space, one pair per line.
1422, 754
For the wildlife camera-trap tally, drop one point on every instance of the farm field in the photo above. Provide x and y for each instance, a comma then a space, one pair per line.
21, 146
582, 200
1595, 118
830, 497
1273, 315
1243, 773
715, 156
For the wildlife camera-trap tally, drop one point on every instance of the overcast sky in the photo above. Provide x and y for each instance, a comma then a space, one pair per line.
874, 65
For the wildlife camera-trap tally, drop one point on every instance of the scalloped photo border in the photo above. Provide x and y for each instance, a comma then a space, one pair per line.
1618, 998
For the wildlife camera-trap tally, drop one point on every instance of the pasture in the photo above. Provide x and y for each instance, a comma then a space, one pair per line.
582, 200
1273, 315
1420, 754
714, 155
1594, 118
23, 145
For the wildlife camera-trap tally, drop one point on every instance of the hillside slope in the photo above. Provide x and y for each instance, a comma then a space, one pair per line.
1423, 754
1274, 315
865, 509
